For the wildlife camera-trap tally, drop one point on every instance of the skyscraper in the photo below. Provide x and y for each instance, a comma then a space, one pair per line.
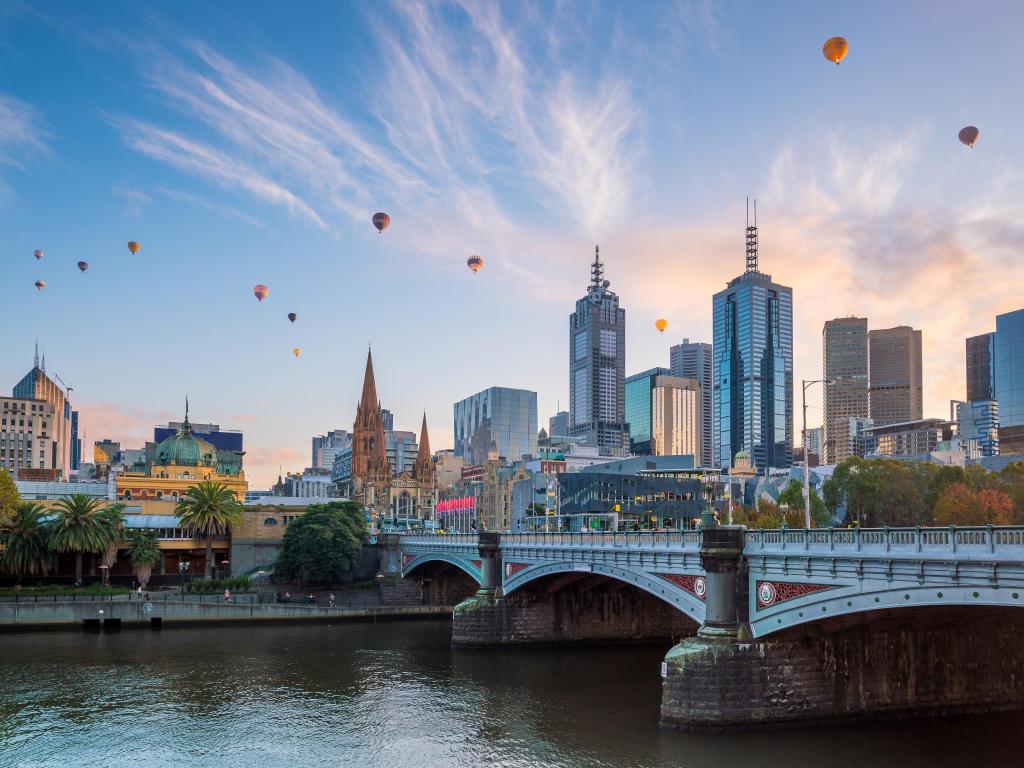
844, 351
696, 361
327, 447
753, 374
499, 421
597, 366
1008, 364
638, 389
36, 385
981, 383
895, 390
558, 425
675, 417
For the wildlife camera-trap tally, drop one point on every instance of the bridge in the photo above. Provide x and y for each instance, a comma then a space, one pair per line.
890, 621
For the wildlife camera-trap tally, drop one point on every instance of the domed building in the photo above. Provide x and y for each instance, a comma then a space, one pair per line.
175, 464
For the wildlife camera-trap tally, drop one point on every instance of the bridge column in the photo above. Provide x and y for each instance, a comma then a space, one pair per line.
490, 564
481, 619
388, 555
721, 554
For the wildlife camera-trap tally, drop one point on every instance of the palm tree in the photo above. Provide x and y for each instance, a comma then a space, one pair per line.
82, 525
209, 509
113, 520
144, 551
26, 541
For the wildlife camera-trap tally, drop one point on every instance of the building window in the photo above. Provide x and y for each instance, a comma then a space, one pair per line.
270, 521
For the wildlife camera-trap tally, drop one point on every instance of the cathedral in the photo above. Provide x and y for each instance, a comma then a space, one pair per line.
384, 493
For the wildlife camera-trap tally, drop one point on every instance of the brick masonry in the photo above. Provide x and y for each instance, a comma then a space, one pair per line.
881, 669
605, 613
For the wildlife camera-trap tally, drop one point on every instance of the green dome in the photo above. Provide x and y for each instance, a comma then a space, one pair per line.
185, 449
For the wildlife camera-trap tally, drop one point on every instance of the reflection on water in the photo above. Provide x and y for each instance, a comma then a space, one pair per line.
396, 695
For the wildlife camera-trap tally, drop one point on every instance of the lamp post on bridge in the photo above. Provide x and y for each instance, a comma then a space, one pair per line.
807, 463
708, 519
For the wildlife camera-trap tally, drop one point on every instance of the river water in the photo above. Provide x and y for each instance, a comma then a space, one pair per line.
396, 695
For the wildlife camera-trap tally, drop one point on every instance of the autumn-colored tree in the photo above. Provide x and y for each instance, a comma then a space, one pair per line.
996, 507
959, 505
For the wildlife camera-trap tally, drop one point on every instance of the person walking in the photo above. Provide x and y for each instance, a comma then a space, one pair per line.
227, 595
330, 600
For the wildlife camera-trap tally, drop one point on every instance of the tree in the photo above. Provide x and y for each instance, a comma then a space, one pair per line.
9, 498
144, 551
113, 519
321, 545
793, 495
26, 542
959, 505
209, 509
82, 525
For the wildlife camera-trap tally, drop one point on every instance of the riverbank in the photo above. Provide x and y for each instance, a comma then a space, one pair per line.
115, 615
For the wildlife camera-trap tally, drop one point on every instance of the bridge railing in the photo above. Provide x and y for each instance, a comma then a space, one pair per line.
439, 538
1004, 541
623, 539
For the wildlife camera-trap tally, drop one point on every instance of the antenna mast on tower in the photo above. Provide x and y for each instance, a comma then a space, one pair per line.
751, 238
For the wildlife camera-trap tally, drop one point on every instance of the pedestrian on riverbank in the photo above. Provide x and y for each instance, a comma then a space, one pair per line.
331, 599
227, 595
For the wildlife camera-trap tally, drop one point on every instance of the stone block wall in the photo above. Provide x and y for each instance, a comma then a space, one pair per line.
877, 670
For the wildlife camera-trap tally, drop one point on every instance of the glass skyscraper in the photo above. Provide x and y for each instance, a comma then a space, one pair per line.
638, 409
597, 367
498, 421
753, 374
1008, 365
980, 373
695, 360
844, 351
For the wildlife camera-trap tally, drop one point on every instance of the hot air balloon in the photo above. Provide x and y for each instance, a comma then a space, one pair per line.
292, 316
381, 221
40, 284
474, 263
968, 135
83, 265
296, 351
661, 324
261, 292
133, 246
835, 49
38, 254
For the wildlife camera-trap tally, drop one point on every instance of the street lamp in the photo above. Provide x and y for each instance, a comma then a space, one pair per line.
103, 577
707, 515
183, 570
807, 463
224, 567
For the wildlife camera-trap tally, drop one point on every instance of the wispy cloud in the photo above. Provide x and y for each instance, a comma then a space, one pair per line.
221, 209
134, 200
22, 134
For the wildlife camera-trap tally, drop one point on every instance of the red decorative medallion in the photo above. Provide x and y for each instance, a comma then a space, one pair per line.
406, 559
771, 593
511, 569
695, 585
475, 564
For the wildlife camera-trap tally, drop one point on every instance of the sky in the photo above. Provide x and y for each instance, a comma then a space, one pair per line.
251, 143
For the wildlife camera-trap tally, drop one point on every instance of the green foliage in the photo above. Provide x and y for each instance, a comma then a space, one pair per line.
9, 498
143, 547
205, 586
321, 545
208, 510
50, 590
82, 525
26, 542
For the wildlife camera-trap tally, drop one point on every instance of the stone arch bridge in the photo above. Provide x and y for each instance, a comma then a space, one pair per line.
889, 621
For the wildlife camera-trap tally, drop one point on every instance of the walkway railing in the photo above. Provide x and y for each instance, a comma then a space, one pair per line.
1003, 541
624, 539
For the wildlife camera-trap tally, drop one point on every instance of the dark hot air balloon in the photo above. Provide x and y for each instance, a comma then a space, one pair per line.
474, 263
835, 49
968, 135
381, 221
83, 265
40, 284
292, 316
261, 292
38, 254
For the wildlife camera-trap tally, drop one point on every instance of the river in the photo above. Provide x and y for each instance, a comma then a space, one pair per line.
396, 695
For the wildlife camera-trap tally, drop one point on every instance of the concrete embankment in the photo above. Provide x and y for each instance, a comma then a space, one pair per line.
18, 616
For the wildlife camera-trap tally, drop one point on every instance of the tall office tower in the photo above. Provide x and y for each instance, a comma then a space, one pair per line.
558, 425
753, 374
597, 367
895, 390
499, 422
1008, 364
675, 417
36, 385
815, 440
981, 384
844, 352
76, 442
639, 387
327, 447
696, 361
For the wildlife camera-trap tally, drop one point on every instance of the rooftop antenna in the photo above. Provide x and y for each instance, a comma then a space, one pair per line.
751, 238
35, 361
596, 269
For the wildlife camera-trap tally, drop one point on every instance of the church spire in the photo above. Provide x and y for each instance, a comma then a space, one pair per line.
424, 460
369, 398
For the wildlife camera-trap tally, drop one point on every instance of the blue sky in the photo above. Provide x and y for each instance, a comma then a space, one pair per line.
244, 144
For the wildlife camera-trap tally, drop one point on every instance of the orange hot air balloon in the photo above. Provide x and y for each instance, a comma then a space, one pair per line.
381, 221
38, 254
835, 49
661, 324
133, 246
83, 265
474, 263
40, 284
968, 135
296, 351
261, 292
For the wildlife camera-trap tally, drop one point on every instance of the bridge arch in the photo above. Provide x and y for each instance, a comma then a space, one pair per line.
846, 602
412, 562
653, 584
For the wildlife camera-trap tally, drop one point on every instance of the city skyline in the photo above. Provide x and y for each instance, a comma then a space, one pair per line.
879, 214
